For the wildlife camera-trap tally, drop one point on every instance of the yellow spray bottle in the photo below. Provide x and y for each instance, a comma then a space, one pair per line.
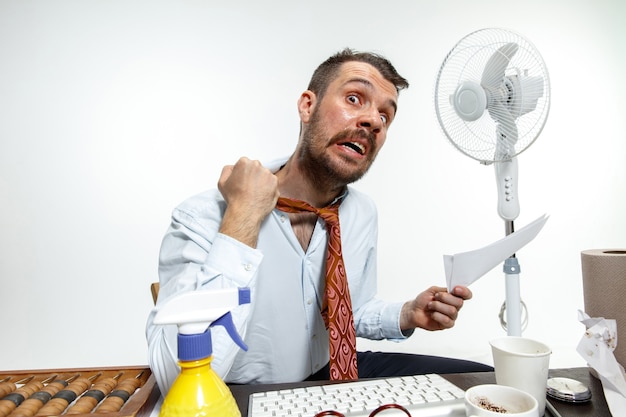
198, 390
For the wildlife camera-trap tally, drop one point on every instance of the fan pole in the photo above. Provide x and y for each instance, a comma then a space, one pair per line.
512, 291
513, 300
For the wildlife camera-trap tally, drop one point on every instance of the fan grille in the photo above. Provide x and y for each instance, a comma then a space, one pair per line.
466, 62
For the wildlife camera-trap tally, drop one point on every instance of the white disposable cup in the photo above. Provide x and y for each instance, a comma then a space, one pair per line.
522, 363
498, 400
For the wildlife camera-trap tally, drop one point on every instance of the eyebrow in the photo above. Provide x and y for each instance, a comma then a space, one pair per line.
370, 86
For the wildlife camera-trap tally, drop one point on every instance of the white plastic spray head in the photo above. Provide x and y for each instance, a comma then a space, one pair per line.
195, 312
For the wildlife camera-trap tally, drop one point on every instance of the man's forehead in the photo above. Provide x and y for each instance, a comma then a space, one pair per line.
364, 73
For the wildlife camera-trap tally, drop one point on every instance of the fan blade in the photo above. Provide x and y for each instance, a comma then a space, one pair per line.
493, 75
507, 134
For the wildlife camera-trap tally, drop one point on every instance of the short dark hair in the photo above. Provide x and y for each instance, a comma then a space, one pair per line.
327, 71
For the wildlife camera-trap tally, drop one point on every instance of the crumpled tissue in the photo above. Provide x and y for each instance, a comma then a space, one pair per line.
596, 347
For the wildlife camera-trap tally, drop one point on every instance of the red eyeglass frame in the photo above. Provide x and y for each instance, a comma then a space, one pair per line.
372, 414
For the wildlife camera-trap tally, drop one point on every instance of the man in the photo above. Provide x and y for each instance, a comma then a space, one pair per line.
237, 237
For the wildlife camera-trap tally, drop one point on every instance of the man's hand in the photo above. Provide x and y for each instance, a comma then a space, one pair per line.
434, 309
251, 192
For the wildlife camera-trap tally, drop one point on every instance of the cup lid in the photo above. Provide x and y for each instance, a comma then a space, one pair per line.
568, 390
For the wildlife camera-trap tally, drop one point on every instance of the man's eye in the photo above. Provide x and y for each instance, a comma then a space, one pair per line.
353, 99
384, 119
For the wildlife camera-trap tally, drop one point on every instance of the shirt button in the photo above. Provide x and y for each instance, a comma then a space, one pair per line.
309, 301
247, 267
283, 218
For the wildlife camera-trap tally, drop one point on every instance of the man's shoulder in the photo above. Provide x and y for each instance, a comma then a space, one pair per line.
211, 196
357, 201
358, 197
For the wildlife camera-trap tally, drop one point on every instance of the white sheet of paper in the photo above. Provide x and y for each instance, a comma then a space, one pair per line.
596, 347
465, 268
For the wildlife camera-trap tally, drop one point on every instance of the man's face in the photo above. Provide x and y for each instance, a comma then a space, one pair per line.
348, 126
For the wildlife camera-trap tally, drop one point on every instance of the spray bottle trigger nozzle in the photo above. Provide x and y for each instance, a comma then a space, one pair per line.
226, 321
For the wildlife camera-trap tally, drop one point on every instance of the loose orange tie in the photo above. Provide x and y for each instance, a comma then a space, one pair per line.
337, 306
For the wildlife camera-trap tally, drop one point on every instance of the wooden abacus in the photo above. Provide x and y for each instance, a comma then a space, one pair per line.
78, 392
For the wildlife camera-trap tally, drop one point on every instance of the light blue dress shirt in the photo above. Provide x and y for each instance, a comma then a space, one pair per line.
282, 325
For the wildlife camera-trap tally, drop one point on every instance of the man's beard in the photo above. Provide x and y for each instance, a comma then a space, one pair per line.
320, 168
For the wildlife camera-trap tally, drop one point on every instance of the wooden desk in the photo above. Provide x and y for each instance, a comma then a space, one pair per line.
597, 407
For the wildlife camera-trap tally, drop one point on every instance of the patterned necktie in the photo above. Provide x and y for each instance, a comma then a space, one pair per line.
337, 306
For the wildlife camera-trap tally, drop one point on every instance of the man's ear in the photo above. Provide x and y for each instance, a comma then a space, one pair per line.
306, 104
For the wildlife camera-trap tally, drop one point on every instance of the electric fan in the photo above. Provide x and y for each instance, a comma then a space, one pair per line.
492, 98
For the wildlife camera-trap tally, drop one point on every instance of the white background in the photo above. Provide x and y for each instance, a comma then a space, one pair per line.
112, 112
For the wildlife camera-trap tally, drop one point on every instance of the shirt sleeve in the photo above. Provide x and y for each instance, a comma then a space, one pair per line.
381, 320
195, 256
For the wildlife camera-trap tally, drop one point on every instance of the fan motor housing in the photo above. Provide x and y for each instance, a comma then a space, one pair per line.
469, 101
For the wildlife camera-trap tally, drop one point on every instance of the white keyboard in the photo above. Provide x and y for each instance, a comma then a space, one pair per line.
423, 395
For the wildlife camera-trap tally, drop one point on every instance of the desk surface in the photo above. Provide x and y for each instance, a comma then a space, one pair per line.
597, 407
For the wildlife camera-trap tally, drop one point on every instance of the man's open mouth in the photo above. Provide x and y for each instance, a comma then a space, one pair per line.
357, 147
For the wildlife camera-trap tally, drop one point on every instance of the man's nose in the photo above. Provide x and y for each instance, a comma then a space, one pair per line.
371, 120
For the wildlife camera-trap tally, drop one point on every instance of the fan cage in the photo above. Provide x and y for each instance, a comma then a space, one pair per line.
466, 62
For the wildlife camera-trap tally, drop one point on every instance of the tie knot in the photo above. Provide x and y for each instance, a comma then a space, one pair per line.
329, 214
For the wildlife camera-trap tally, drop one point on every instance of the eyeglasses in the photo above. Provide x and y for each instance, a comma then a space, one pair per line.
372, 414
